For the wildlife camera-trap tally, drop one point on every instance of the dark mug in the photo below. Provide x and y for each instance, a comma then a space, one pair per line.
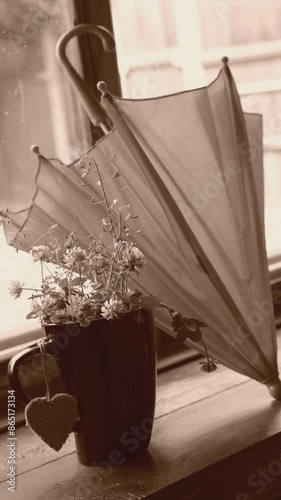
110, 368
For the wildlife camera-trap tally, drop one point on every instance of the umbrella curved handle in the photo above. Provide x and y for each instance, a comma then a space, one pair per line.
94, 110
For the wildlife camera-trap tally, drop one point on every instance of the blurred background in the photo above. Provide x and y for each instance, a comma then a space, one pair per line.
163, 46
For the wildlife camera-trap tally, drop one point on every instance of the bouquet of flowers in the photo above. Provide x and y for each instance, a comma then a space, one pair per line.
81, 284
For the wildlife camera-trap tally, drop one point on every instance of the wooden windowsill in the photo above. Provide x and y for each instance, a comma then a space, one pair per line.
201, 419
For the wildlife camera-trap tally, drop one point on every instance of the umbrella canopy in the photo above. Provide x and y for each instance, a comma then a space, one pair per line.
190, 173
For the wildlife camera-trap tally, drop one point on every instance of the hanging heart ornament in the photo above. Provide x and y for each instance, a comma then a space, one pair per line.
52, 419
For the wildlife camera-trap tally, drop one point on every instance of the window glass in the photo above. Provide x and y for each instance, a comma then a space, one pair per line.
163, 47
238, 22
172, 45
37, 106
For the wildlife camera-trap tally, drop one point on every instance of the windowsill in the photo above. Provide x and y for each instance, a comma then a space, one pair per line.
10, 345
200, 420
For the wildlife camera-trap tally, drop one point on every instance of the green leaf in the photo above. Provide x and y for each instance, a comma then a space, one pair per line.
149, 303
136, 293
185, 328
77, 281
183, 334
64, 283
177, 321
195, 336
125, 296
189, 324
134, 299
32, 315
199, 323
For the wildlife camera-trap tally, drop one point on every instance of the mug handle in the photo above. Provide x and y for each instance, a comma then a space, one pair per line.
13, 374
13, 369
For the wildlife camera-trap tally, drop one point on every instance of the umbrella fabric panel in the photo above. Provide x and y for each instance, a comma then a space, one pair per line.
263, 293
249, 133
224, 225
184, 153
210, 306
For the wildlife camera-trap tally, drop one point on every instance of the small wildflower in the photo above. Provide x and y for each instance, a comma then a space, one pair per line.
52, 228
41, 308
70, 241
42, 253
85, 166
100, 262
88, 307
15, 289
83, 321
75, 256
134, 260
137, 255
58, 302
113, 309
5, 216
58, 318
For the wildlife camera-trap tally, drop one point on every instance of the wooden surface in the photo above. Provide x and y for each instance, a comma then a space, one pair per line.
235, 478
200, 420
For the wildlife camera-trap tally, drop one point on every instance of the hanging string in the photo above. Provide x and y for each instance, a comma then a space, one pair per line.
41, 344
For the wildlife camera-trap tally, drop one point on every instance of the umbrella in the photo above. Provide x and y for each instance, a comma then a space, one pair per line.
186, 166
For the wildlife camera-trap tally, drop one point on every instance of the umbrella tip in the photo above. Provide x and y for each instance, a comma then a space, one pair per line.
225, 60
35, 149
274, 388
102, 87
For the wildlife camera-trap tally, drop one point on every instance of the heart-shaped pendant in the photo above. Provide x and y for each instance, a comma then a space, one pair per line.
52, 419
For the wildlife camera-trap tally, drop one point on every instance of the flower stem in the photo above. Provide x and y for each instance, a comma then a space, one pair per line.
32, 289
126, 281
38, 239
117, 281
162, 304
42, 273
69, 289
81, 282
112, 267
206, 350
106, 202
50, 272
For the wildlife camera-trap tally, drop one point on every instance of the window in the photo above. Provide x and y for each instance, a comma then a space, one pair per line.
163, 47
37, 106
172, 45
